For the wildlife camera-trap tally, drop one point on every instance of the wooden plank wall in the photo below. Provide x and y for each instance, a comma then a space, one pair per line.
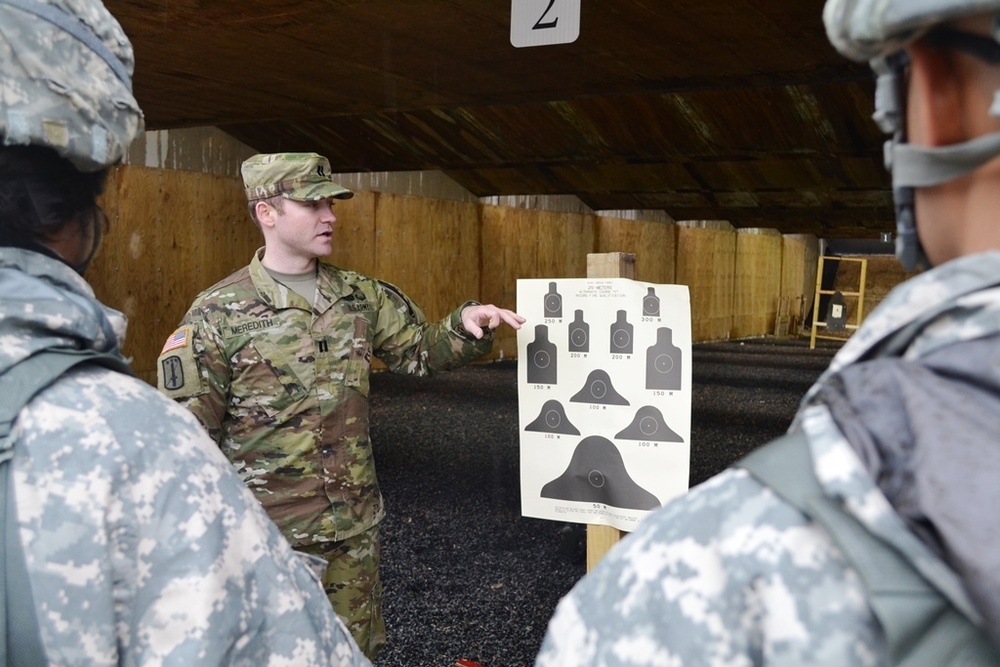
175, 233
706, 263
653, 243
522, 243
799, 258
172, 234
757, 281
429, 248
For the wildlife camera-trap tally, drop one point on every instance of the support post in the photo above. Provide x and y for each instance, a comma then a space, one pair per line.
600, 539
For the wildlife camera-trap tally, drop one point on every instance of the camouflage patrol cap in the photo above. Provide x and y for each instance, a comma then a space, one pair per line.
296, 176
66, 80
867, 29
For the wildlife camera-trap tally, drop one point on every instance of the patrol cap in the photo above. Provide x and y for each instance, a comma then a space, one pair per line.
865, 29
66, 81
296, 176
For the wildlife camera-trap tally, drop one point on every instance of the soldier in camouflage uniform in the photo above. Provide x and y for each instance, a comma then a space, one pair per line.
275, 359
141, 544
900, 431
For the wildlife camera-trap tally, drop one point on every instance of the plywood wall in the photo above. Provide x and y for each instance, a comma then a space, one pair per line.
354, 234
653, 243
430, 249
756, 282
521, 243
173, 234
799, 257
706, 263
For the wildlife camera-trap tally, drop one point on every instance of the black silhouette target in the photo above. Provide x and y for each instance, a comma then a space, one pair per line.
649, 425
596, 474
552, 303
579, 334
651, 305
663, 362
542, 358
599, 389
621, 334
552, 419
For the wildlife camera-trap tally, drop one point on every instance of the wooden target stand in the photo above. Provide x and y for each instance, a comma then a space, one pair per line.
858, 295
600, 539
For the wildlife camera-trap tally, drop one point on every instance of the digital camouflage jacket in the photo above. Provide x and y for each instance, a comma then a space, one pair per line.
282, 386
142, 546
904, 441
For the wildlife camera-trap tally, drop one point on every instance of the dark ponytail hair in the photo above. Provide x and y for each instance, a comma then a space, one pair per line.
41, 193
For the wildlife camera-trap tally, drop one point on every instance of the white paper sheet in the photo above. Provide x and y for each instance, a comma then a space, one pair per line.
604, 393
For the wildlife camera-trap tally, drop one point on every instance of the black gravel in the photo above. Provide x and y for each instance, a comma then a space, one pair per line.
465, 575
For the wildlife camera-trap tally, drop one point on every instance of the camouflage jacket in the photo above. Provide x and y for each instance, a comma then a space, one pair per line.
142, 545
730, 574
283, 387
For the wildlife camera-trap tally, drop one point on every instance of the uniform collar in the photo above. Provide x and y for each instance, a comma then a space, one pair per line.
329, 281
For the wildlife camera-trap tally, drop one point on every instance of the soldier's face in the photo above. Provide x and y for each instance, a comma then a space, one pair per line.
305, 229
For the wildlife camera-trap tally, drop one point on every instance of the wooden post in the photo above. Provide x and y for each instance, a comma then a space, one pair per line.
600, 539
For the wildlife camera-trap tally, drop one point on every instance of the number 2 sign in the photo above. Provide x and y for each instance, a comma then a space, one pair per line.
541, 22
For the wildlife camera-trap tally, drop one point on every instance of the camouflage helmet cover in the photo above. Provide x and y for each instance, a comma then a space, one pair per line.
66, 80
866, 29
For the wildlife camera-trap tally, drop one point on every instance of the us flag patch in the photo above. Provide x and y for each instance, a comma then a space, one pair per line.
177, 339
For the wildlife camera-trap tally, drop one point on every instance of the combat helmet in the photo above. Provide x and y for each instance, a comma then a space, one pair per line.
878, 31
66, 80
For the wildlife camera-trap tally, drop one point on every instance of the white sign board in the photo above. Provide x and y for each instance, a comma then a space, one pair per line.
542, 22
604, 398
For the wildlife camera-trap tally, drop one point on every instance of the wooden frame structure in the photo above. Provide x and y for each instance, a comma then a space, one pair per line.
859, 294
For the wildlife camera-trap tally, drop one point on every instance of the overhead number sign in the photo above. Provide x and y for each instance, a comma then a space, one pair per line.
544, 22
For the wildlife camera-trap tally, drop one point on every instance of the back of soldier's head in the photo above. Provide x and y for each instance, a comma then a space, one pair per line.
66, 81
66, 113
880, 31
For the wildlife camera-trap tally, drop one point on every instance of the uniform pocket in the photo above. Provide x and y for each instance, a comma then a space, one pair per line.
267, 381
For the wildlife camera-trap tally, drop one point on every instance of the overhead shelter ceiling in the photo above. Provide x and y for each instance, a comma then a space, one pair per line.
736, 110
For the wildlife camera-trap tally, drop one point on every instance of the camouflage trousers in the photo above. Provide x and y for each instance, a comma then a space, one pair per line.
352, 583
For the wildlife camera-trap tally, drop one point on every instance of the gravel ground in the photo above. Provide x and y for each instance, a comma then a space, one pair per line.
465, 575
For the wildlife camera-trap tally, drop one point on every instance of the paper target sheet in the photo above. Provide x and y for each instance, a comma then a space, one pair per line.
604, 398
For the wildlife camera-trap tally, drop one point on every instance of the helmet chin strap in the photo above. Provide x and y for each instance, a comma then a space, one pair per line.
920, 167
924, 166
